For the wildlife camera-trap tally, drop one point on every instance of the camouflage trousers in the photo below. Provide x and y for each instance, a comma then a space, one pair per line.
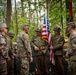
10, 67
71, 68
24, 66
3, 67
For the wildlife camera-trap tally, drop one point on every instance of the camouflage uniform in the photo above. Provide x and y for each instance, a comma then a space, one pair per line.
10, 64
72, 52
16, 66
58, 42
3, 53
40, 56
24, 52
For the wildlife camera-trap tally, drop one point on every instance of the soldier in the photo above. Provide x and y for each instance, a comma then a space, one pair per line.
24, 50
58, 42
40, 47
10, 64
3, 49
9, 38
71, 49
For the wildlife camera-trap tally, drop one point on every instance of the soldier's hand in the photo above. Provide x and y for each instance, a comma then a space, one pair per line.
67, 55
8, 59
36, 48
31, 59
44, 51
51, 47
14, 55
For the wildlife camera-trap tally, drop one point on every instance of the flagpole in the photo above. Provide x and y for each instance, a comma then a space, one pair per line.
47, 6
49, 35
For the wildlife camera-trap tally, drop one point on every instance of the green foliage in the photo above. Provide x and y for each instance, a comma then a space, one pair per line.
31, 12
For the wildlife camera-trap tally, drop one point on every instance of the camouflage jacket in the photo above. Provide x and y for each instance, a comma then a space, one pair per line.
23, 45
3, 46
40, 43
72, 44
10, 48
58, 42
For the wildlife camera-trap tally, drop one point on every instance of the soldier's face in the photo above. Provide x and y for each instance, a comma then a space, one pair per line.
56, 32
38, 33
27, 30
69, 28
11, 37
5, 30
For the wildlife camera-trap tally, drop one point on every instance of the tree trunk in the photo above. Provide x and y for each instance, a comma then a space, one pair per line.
16, 20
22, 8
8, 13
47, 6
67, 15
61, 14
29, 11
39, 9
36, 12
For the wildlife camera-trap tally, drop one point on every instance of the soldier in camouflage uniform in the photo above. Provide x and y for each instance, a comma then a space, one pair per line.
58, 42
10, 64
3, 49
24, 50
71, 50
40, 46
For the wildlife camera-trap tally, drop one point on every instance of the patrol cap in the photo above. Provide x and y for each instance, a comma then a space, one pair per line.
25, 26
11, 34
72, 24
57, 28
38, 30
3, 25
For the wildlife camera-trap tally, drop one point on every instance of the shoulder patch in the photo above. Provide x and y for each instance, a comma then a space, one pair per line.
74, 40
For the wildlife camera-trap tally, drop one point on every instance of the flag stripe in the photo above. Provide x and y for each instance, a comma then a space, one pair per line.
44, 26
44, 30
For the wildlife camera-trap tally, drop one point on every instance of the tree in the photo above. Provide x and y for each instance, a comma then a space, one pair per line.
8, 14
2, 10
16, 20
61, 14
32, 12
22, 7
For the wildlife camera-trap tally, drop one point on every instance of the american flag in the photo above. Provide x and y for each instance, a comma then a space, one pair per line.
46, 35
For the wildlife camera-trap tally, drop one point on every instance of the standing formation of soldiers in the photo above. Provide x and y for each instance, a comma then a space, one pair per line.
23, 53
